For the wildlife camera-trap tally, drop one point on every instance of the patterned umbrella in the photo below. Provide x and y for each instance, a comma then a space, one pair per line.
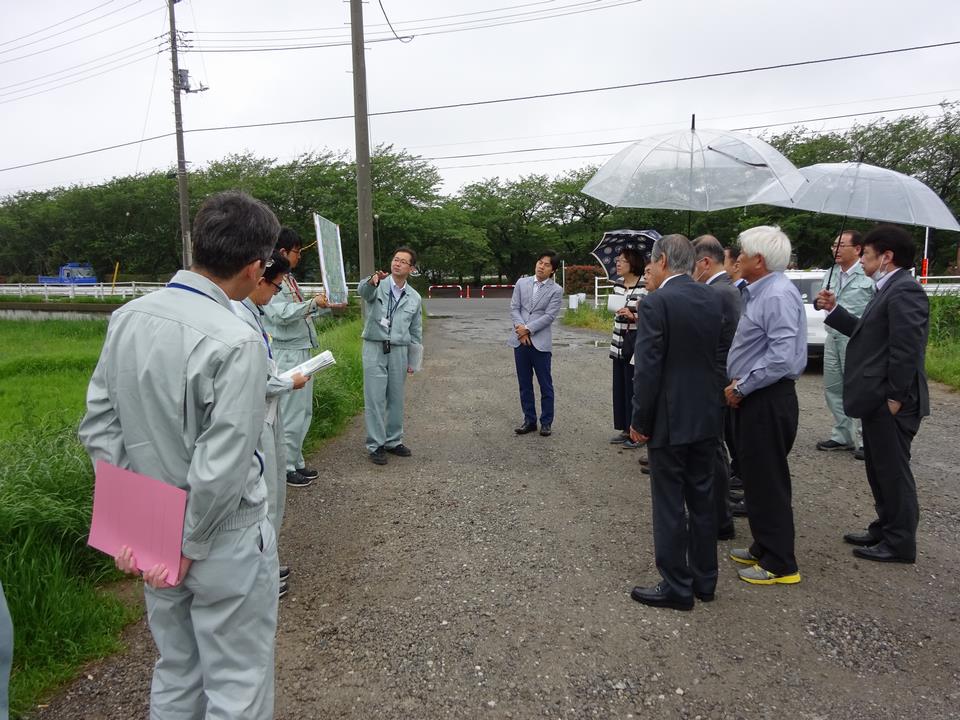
615, 241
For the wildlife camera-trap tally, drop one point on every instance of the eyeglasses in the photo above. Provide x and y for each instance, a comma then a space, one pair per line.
401, 261
277, 287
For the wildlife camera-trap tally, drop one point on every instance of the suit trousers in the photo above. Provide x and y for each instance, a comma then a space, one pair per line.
721, 481
622, 394
886, 447
296, 408
216, 631
529, 360
846, 430
766, 423
730, 437
685, 543
6, 654
384, 378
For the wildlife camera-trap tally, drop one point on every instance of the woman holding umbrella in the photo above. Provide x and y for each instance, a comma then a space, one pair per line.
630, 265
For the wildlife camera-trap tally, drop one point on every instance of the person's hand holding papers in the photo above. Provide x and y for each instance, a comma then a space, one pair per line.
155, 577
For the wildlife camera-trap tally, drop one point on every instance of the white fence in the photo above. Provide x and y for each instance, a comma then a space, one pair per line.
119, 291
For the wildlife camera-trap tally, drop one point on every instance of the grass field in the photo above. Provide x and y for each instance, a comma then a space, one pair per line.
53, 582
586, 316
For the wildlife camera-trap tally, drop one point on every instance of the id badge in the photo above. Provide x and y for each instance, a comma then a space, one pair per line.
385, 324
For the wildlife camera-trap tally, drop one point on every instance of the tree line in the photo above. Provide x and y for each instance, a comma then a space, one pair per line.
490, 227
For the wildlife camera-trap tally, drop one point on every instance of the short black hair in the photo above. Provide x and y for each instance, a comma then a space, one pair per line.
856, 237
232, 229
277, 265
289, 239
408, 251
732, 250
635, 258
554, 260
895, 239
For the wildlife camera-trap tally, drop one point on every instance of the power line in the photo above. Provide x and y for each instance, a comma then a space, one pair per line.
70, 29
489, 23
78, 65
521, 98
79, 39
56, 24
405, 38
134, 61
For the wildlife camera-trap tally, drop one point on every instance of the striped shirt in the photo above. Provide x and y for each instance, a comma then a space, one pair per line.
622, 326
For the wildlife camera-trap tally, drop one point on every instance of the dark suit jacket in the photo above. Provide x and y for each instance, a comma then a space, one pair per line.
674, 378
887, 349
731, 306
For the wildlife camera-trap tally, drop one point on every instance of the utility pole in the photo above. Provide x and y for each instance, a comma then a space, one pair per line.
181, 161
364, 185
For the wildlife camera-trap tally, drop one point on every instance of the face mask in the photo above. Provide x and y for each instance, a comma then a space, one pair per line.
881, 272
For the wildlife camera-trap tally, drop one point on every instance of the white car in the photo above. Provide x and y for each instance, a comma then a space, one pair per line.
808, 283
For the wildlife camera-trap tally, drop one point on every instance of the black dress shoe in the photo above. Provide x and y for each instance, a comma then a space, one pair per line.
645, 461
881, 553
378, 456
738, 509
862, 539
525, 428
645, 469
735, 495
661, 596
727, 533
704, 596
858, 455
545, 430
400, 450
736, 483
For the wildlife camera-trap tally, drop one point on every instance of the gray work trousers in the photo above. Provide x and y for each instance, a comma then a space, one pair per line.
6, 655
216, 631
384, 376
296, 408
846, 430
274, 469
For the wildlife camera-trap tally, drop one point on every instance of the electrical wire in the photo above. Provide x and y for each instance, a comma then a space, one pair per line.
529, 97
71, 29
405, 38
56, 24
79, 39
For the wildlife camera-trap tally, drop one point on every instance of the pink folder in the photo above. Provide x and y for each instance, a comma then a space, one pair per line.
139, 511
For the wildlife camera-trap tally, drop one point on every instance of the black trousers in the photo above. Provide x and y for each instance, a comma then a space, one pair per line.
886, 447
766, 425
685, 543
622, 394
721, 483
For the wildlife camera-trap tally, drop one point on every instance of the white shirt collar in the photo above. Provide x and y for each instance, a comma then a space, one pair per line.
886, 278
715, 276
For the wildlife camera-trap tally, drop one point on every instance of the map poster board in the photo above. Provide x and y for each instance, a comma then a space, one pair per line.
331, 260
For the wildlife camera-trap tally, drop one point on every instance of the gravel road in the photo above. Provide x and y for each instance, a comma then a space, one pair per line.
489, 575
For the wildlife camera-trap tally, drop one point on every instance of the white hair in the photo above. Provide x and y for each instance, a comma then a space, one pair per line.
770, 242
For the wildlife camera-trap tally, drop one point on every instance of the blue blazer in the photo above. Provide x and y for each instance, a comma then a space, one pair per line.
538, 316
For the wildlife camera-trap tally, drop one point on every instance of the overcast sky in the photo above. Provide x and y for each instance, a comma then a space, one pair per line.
49, 109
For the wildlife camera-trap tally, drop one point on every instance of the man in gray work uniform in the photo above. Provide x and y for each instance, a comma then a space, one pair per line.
178, 395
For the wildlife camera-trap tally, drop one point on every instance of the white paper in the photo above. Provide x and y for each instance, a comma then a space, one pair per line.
615, 302
415, 357
311, 366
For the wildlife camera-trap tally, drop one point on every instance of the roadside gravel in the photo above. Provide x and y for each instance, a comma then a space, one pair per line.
489, 574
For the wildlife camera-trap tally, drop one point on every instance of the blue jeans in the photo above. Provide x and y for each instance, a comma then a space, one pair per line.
529, 360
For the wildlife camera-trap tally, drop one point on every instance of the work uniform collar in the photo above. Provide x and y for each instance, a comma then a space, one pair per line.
202, 285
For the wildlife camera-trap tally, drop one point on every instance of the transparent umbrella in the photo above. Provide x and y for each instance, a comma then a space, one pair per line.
694, 169
865, 191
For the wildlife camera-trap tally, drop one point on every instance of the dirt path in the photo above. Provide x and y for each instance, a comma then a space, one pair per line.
489, 575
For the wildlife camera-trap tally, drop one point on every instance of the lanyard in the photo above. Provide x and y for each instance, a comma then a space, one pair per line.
263, 332
393, 304
181, 286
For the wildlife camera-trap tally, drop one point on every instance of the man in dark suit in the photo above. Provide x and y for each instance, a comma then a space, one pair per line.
885, 385
534, 306
709, 269
675, 411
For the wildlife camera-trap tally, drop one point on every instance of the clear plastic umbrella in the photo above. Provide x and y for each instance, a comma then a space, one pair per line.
694, 169
866, 191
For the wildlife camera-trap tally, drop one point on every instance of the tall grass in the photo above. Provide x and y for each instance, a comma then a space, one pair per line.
943, 350
586, 316
53, 581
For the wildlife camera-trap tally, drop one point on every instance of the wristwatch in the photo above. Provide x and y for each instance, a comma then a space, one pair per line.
737, 393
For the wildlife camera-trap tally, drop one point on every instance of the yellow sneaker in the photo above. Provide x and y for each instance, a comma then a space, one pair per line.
756, 575
743, 556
